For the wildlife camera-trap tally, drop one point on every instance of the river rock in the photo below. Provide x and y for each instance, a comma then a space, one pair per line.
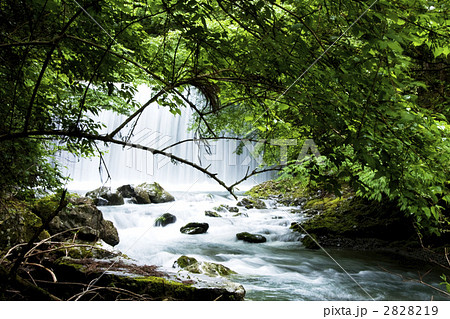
251, 238
240, 215
211, 269
103, 196
127, 191
165, 219
252, 203
194, 228
83, 214
210, 213
152, 193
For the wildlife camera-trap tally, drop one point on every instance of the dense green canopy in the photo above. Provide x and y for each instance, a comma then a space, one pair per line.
366, 81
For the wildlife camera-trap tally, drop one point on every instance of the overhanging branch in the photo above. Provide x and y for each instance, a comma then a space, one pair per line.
110, 139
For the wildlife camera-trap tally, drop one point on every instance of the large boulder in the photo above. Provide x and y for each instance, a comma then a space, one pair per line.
194, 228
18, 223
103, 196
145, 193
251, 238
165, 219
211, 269
81, 214
127, 191
154, 192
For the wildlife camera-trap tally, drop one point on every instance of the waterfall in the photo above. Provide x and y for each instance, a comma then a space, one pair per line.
158, 128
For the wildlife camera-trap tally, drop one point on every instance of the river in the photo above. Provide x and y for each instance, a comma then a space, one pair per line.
279, 269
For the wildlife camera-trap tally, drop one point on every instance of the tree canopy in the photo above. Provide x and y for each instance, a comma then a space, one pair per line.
367, 81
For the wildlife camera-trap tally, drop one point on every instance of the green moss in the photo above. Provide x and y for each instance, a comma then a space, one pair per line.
68, 264
288, 188
185, 261
80, 252
18, 223
155, 287
354, 217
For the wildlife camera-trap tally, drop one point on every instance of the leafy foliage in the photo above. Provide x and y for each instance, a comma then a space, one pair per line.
365, 80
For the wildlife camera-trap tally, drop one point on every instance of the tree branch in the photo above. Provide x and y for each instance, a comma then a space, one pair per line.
109, 139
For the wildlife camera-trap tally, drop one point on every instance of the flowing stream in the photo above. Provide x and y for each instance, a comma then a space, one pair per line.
279, 269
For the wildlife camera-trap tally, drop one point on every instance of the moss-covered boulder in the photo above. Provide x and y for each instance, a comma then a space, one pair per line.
345, 221
251, 238
80, 216
252, 203
127, 191
152, 193
194, 228
226, 208
103, 196
211, 269
285, 192
119, 280
18, 223
165, 219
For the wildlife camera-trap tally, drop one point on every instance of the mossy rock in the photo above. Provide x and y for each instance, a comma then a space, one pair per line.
210, 213
211, 269
103, 196
165, 219
286, 192
250, 203
185, 261
74, 274
251, 238
18, 223
154, 192
194, 228
352, 218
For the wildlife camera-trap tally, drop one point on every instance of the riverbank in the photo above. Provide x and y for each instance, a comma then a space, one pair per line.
354, 223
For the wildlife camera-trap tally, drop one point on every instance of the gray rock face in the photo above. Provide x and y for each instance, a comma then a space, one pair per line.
194, 228
165, 219
103, 196
83, 214
251, 238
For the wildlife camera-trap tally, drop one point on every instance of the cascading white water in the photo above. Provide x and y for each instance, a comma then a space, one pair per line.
158, 128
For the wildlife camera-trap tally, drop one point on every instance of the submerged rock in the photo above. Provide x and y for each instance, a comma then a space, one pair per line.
211, 269
165, 219
240, 215
194, 228
210, 213
251, 238
103, 196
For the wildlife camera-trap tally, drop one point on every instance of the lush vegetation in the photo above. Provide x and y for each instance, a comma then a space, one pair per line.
365, 80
